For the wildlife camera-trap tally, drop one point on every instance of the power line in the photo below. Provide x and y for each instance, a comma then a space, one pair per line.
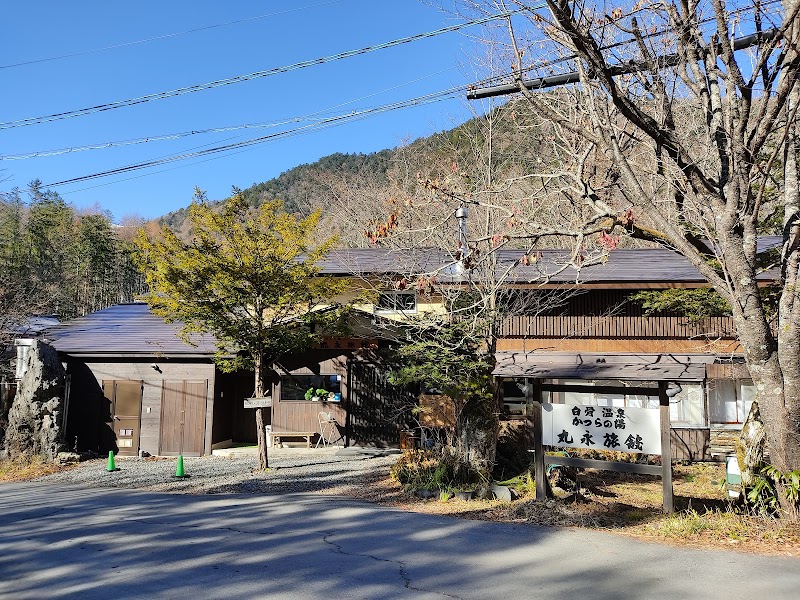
145, 140
315, 116
167, 35
323, 123
476, 92
250, 76
660, 62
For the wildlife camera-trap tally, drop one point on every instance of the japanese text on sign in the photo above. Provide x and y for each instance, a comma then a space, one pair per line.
621, 429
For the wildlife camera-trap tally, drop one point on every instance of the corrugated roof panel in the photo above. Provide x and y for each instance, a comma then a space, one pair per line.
125, 329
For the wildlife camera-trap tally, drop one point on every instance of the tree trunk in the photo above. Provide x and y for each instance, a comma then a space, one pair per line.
478, 429
261, 435
263, 459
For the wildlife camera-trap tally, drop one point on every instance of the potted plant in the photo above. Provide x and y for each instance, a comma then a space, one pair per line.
316, 394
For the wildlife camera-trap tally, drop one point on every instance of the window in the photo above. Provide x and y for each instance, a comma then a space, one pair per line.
686, 408
605, 399
294, 387
514, 390
514, 399
389, 302
729, 400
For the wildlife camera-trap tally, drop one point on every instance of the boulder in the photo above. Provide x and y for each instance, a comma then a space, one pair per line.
502, 492
35, 418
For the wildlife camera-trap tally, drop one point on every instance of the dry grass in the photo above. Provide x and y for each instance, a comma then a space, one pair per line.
24, 469
625, 504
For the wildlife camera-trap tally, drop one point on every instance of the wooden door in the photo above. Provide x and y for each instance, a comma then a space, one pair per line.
183, 417
126, 410
194, 422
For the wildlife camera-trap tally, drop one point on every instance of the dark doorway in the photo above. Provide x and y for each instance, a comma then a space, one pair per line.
376, 410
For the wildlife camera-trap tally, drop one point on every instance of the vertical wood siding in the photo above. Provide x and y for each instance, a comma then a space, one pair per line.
690, 444
611, 314
303, 415
86, 389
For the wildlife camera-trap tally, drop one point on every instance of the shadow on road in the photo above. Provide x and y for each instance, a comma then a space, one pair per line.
58, 541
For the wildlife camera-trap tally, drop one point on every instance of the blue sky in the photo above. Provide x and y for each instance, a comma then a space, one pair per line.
38, 30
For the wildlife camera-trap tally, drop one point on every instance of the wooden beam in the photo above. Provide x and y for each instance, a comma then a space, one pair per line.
534, 397
600, 389
605, 465
529, 343
666, 448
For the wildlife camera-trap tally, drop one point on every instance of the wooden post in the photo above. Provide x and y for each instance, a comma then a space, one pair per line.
666, 448
346, 401
535, 390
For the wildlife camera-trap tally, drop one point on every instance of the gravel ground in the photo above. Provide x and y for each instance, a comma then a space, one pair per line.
290, 471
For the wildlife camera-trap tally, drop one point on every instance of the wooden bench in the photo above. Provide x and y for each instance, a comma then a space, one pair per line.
276, 436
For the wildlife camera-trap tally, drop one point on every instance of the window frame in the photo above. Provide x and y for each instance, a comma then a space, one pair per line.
740, 404
325, 379
379, 310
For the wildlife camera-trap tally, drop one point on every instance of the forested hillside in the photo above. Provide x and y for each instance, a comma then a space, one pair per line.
57, 261
339, 182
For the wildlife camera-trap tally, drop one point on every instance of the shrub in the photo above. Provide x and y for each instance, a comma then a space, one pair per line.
433, 470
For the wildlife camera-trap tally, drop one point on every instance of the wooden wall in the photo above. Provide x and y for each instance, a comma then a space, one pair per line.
303, 415
88, 375
616, 326
690, 444
606, 320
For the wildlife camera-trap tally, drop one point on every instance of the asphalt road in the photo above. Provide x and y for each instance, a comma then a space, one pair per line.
67, 542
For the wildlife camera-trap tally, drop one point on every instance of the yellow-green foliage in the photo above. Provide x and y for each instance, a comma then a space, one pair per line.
248, 276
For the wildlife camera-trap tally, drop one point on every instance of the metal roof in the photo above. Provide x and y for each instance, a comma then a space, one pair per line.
126, 329
587, 365
382, 261
632, 265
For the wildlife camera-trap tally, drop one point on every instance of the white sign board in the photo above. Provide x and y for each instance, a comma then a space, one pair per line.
615, 428
258, 402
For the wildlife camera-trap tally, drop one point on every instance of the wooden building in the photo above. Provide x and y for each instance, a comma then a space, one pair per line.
135, 385
598, 334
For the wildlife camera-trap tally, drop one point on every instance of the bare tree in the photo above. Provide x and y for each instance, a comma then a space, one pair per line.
678, 127
444, 214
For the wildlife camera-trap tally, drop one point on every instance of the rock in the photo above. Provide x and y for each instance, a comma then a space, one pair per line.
502, 492
35, 418
68, 458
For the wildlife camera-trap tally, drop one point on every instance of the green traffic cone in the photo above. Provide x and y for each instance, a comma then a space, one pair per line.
179, 468
111, 465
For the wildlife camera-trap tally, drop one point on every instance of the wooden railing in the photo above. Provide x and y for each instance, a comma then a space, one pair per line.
630, 327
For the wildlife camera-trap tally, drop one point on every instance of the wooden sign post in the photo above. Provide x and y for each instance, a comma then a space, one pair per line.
666, 448
622, 429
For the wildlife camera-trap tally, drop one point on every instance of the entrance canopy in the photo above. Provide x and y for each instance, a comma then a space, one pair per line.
588, 365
